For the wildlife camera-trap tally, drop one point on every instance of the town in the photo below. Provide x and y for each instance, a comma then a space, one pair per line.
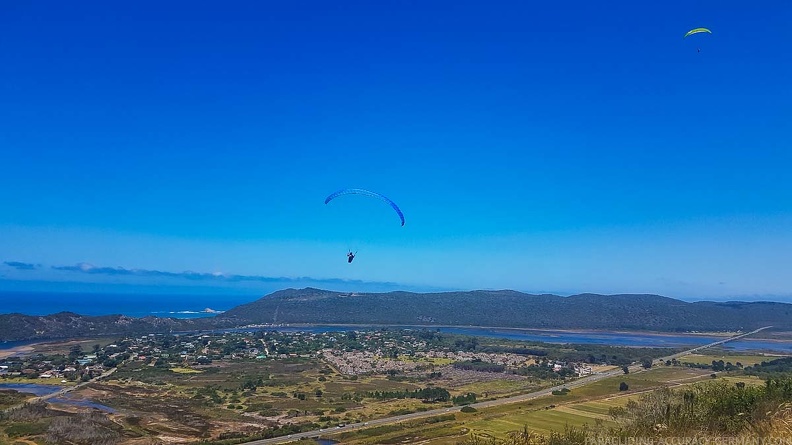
386, 352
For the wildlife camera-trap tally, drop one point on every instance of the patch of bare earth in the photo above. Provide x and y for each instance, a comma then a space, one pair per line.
163, 413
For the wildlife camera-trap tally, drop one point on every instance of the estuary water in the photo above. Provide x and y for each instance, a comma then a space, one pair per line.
629, 339
44, 390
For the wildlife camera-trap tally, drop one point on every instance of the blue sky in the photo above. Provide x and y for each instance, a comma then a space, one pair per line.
562, 147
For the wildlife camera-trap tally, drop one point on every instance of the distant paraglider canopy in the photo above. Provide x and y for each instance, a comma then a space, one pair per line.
696, 31
367, 193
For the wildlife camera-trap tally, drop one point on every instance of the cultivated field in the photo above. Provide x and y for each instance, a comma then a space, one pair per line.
588, 405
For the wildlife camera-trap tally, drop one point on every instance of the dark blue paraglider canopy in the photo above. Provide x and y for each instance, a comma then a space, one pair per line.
367, 193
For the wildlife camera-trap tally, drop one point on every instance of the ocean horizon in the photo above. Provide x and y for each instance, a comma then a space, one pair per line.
129, 304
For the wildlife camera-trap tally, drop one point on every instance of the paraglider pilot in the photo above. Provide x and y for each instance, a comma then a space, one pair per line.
350, 257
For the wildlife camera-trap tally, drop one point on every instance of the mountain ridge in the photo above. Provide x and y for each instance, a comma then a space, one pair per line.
505, 308
510, 308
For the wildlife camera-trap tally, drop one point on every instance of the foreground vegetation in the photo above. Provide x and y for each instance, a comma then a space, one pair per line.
589, 408
703, 410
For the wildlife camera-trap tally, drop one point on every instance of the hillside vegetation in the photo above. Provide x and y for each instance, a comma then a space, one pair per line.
702, 411
475, 308
510, 309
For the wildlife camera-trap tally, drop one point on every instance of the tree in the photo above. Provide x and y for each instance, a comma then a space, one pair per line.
318, 393
646, 363
75, 352
623, 386
464, 399
626, 369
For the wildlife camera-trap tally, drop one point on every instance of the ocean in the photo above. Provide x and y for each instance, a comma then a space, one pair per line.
133, 305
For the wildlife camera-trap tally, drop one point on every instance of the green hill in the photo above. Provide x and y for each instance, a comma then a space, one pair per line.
510, 309
475, 308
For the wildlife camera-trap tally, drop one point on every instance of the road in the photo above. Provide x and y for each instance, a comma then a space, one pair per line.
515, 399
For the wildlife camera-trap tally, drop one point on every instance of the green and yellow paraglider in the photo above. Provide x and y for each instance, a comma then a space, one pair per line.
696, 31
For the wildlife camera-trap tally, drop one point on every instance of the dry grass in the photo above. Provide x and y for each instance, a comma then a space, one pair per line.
745, 360
186, 370
778, 425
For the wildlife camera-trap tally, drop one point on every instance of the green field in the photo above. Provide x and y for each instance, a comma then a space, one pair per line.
585, 405
541, 420
589, 404
501, 388
745, 360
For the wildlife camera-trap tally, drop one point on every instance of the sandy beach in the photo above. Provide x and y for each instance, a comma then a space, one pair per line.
19, 350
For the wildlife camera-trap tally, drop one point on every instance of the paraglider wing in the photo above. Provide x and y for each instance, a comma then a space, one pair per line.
367, 193
696, 31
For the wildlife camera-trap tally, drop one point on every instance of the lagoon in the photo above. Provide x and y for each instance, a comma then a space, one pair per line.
45, 390
32, 388
83, 403
609, 338
628, 339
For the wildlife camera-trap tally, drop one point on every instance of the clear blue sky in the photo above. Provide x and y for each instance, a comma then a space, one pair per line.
553, 146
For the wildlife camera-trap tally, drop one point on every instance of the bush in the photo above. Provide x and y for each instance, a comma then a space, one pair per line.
84, 429
468, 409
623, 386
22, 429
715, 407
464, 399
